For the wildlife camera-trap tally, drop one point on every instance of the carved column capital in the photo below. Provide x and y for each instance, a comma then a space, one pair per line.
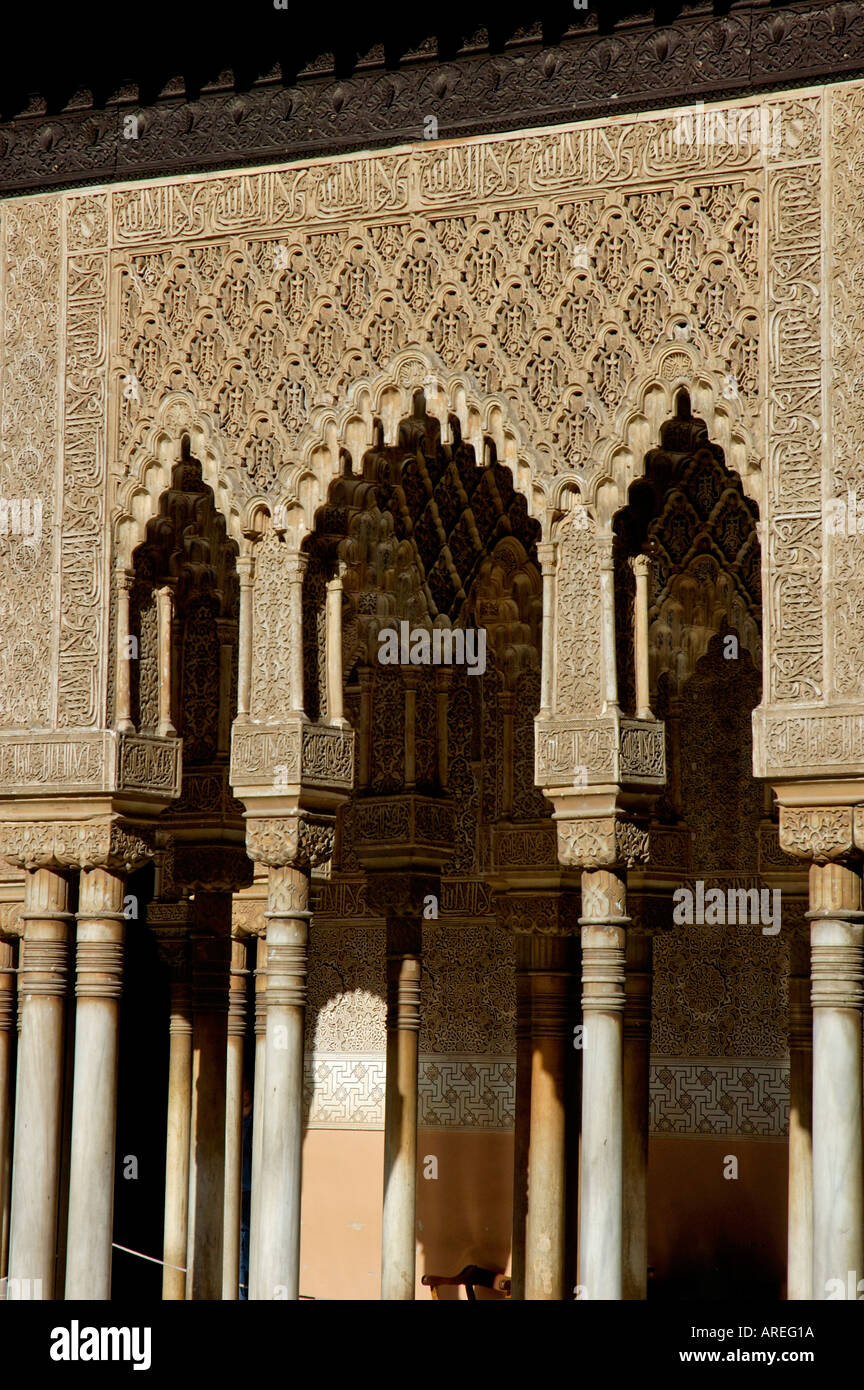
547, 554
301, 840
593, 842
817, 833
105, 844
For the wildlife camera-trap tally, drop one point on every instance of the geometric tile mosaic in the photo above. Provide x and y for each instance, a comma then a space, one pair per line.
747, 1099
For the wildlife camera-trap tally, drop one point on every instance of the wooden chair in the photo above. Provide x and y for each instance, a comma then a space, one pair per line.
471, 1277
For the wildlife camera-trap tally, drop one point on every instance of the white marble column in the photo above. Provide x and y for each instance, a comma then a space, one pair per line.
234, 1119
211, 955
636, 1102
39, 1090
837, 970
295, 627
124, 579
642, 571
258, 1095
98, 987
275, 1236
7, 1063
398, 1227
335, 699
246, 576
606, 558
170, 924
522, 1126
547, 554
546, 1218
601, 1187
799, 1282
165, 614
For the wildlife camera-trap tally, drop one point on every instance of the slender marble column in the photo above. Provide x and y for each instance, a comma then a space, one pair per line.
547, 554
545, 1227
227, 632
606, 556
800, 1209
124, 684
246, 575
642, 570
258, 1099
636, 1099
99, 982
211, 955
601, 1195
38, 1096
169, 922
522, 1128
295, 624
165, 613
7, 1063
335, 710
275, 1255
837, 952
398, 1232
234, 1119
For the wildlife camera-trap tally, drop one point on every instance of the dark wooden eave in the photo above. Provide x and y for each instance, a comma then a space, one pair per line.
267, 87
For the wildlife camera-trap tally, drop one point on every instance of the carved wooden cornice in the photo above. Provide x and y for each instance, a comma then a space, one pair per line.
530, 82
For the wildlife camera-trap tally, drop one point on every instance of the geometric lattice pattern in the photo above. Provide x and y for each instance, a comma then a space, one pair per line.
720, 1097
711, 1097
346, 1090
467, 1092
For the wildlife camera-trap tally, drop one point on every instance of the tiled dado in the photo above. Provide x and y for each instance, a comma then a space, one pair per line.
346, 1090
699, 1097
745, 1098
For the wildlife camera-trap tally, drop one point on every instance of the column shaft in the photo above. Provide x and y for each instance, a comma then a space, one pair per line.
601, 1194
547, 554
234, 1120
211, 954
276, 1221
522, 1128
245, 572
179, 1117
124, 683
605, 549
39, 1089
837, 947
398, 1232
7, 1063
642, 570
94, 1096
636, 1100
258, 1099
545, 1227
165, 613
335, 711
799, 1283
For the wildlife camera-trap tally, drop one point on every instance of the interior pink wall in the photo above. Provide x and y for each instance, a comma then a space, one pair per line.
708, 1235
